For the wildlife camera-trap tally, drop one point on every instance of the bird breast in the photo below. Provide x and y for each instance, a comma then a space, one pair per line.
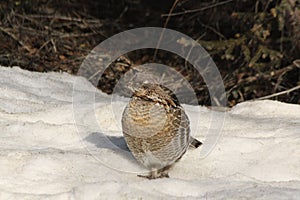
145, 118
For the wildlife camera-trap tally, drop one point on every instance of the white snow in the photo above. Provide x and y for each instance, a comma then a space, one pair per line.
51, 148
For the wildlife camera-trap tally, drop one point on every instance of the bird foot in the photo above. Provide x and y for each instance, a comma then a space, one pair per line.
155, 175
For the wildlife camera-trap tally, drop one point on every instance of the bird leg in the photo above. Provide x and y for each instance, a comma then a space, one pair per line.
157, 173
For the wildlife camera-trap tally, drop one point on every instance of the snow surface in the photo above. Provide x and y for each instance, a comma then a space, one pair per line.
44, 155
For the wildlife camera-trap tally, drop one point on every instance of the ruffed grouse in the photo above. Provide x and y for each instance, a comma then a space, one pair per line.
156, 129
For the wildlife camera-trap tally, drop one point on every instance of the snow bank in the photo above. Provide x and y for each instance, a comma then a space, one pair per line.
43, 155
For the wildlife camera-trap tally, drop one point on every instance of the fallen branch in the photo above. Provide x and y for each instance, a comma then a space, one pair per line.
56, 17
4, 30
280, 93
196, 10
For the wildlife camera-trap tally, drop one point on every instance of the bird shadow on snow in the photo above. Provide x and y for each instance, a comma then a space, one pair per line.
101, 140
115, 144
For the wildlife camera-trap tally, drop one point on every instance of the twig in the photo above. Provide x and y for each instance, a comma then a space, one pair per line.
58, 33
68, 35
251, 79
196, 10
54, 46
163, 31
123, 12
214, 30
5, 30
280, 93
297, 63
45, 43
60, 18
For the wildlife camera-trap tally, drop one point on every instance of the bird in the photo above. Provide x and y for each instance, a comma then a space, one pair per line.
156, 129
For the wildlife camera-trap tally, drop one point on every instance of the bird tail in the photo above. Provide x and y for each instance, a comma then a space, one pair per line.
194, 142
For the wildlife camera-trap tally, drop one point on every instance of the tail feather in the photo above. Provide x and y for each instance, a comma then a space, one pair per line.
195, 143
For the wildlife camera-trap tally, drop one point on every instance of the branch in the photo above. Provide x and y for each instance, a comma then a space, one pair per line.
5, 30
280, 93
196, 10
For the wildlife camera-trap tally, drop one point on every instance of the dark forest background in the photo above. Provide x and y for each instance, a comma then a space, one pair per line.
255, 44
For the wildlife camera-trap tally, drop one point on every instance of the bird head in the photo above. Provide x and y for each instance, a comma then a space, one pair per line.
157, 93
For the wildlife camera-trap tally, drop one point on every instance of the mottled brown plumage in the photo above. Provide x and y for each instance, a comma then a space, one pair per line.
156, 129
